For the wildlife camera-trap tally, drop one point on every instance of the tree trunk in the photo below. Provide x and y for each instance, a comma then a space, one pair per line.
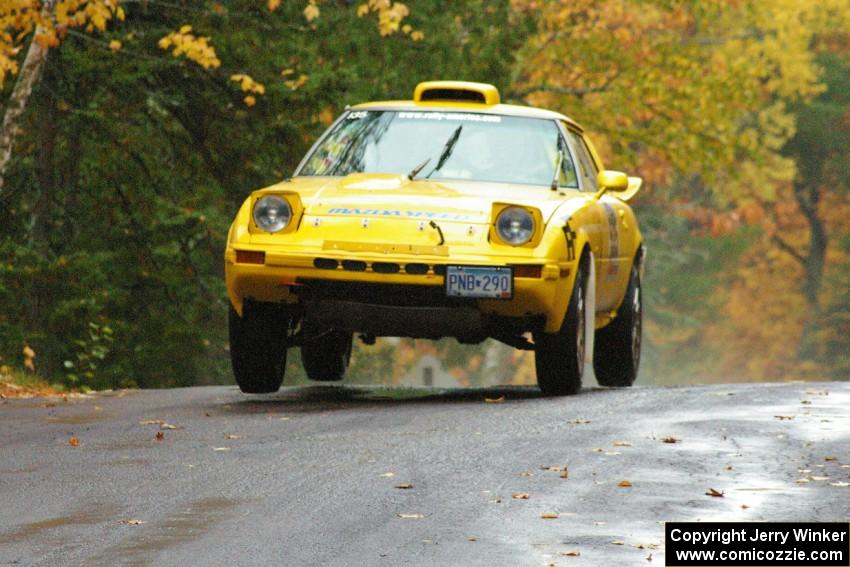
28, 76
808, 198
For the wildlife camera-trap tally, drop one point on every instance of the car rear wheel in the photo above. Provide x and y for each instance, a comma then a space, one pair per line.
616, 349
559, 357
258, 348
326, 358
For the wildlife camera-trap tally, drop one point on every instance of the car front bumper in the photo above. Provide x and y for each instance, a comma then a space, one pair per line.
397, 294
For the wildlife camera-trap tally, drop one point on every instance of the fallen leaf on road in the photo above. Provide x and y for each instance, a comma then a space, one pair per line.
472, 539
555, 468
830, 458
612, 453
526, 473
404, 486
580, 421
133, 522
806, 402
74, 442
728, 467
744, 507
784, 417
841, 484
624, 484
388, 474
802, 480
670, 439
167, 426
232, 436
160, 435
498, 400
648, 557
520, 495
714, 493
621, 444
285, 418
151, 422
598, 450
646, 545
565, 474
819, 478
804, 471
221, 448
617, 542
550, 515
818, 392
406, 516
571, 553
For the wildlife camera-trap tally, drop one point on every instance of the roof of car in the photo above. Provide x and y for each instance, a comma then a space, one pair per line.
449, 106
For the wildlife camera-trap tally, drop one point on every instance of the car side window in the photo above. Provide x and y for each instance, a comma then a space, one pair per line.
586, 166
568, 177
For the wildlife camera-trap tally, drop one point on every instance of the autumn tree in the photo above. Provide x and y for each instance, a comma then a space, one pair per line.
703, 99
130, 162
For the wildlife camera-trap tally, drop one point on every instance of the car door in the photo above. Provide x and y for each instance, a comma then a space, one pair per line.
604, 228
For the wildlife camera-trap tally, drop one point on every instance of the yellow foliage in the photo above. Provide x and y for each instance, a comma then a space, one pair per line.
273, 5
29, 358
186, 44
19, 18
248, 84
696, 88
295, 84
115, 45
311, 12
390, 15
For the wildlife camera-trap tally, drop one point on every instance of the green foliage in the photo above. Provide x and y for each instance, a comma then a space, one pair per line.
131, 163
89, 356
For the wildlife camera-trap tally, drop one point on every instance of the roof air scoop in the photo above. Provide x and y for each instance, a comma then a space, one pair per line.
456, 91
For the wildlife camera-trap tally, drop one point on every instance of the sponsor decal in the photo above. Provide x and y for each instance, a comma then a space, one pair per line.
613, 240
453, 116
399, 213
570, 235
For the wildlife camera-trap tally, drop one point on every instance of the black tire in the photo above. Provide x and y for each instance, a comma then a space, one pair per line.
616, 348
258, 348
559, 357
326, 358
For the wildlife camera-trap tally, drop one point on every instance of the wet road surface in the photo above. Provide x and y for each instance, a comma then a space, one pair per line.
311, 475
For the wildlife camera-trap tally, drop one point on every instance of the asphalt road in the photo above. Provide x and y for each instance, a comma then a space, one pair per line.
310, 476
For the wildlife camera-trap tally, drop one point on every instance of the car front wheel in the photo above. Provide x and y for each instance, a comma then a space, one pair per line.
258, 342
559, 357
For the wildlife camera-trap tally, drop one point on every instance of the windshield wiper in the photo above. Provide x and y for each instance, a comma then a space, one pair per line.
415, 171
556, 179
448, 148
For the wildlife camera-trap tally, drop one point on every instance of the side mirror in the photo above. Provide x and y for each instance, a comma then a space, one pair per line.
618, 182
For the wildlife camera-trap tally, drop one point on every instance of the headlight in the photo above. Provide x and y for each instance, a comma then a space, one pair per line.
515, 226
272, 213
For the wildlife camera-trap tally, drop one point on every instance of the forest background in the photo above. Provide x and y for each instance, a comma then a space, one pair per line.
133, 129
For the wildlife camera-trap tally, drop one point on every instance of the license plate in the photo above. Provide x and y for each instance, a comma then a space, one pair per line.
481, 282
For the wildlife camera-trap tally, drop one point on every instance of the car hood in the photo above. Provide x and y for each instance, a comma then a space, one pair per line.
395, 196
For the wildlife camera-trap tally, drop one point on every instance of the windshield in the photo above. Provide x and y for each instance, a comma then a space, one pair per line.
456, 145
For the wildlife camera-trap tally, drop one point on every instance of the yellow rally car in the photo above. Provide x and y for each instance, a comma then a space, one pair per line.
450, 215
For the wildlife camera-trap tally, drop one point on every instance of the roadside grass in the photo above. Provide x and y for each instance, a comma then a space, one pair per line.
17, 384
